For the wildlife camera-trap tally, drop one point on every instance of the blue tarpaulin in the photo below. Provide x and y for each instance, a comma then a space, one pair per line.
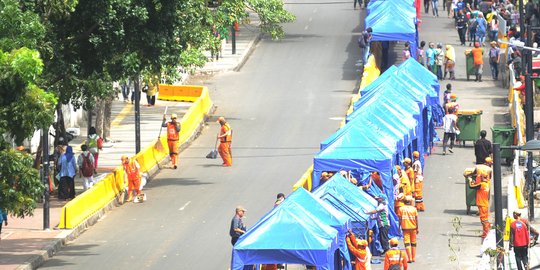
291, 234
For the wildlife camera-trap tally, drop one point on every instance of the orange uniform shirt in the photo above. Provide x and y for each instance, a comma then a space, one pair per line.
482, 195
477, 56
360, 254
172, 133
395, 256
405, 184
224, 129
410, 174
408, 216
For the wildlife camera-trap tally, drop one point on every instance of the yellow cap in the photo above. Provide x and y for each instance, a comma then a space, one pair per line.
416, 154
362, 242
489, 160
407, 160
393, 242
221, 119
398, 167
174, 116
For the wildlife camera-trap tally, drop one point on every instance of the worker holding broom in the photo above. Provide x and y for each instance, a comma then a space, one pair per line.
173, 136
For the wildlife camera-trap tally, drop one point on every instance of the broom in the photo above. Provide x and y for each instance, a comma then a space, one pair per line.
159, 146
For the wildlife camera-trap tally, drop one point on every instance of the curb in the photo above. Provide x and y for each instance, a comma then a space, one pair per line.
249, 50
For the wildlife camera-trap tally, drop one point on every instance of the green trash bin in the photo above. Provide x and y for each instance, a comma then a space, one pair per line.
469, 63
469, 122
470, 193
504, 135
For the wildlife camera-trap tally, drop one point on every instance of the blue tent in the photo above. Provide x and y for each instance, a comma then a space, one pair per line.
288, 234
353, 201
393, 22
348, 153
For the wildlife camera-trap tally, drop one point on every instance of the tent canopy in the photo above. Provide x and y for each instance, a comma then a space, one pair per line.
269, 240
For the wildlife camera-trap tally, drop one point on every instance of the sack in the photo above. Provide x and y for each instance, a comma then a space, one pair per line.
213, 154
87, 169
396, 266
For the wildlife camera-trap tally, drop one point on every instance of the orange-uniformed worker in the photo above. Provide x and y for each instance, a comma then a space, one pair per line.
407, 162
484, 170
408, 219
173, 137
482, 201
133, 173
395, 256
225, 139
403, 190
452, 103
418, 182
360, 250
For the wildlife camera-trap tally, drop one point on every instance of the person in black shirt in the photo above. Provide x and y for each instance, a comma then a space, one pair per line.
482, 148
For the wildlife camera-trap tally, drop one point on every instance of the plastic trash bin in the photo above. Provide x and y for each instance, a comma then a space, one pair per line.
469, 63
504, 135
470, 194
469, 122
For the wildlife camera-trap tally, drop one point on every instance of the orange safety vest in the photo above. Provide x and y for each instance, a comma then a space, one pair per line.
405, 184
360, 254
172, 134
393, 257
132, 171
224, 129
408, 215
410, 174
482, 195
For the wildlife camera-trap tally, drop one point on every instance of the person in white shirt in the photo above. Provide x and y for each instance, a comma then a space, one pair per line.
450, 130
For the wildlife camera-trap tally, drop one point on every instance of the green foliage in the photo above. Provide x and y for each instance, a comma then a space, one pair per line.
272, 15
20, 186
18, 28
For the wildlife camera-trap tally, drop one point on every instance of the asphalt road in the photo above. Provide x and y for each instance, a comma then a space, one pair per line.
289, 96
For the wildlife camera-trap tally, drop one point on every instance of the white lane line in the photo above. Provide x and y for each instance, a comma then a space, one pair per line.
310, 19
306, 27
184, 206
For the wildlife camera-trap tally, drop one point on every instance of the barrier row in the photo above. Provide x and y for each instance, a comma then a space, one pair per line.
104, 192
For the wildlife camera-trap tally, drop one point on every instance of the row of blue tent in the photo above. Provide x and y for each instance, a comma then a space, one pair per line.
396, 115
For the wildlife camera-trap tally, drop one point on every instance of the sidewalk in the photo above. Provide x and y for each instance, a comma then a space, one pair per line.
24, 244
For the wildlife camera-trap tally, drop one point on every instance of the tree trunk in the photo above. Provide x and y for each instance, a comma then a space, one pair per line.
59, 126
39, 154
100, 108
107, 114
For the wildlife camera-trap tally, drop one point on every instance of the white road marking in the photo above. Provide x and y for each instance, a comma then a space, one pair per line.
336, 118
184, 206
306, 28
310, 19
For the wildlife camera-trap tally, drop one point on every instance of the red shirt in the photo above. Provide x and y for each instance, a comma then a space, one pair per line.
520, 232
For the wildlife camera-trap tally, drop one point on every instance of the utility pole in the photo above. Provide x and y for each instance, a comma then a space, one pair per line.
45, 177
529, 122
233, 39
497, 194
137, 95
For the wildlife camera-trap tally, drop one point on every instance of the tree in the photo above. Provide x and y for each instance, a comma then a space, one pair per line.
24, 107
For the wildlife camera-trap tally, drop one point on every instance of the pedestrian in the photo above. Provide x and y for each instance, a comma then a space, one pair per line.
426, 6
449, 62
515, 62
132, 171
420, 54
520, 240
494, 59
125, 85
478, 61
494, 26
482, 148
173, 137
430, 58
406, 54
450, 130
225, 141
376, 178
3, 219
85, 163
383, 224
359, 248
447, 94
481, 29
482, 199
404, 188
408, 219
152, 85
418, 182
359, 2
95, 144
452, 104
435, 7
68, 170
439, 61
395, 259
237, 225
279, 199
472, 28
483, 170
364, 42
461, 25
450, 8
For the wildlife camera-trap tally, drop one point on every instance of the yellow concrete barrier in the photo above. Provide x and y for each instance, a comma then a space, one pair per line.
305, 180
101, 194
